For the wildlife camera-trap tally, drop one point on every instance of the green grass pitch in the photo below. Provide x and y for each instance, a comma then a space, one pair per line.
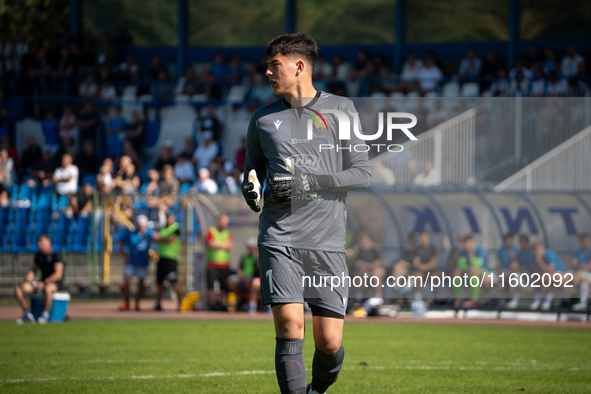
237, 357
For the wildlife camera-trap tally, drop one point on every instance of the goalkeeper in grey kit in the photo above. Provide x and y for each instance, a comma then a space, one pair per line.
303, 221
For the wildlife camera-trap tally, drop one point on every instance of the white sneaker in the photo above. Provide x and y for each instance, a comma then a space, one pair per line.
26, 318
535, 305
547, 305
580, 306
513, 304
44, 318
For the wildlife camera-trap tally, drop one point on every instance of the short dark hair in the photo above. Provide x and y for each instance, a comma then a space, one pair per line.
294, 44
509, 235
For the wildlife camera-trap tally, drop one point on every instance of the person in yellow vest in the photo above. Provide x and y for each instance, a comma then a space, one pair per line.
169, 248
219, 244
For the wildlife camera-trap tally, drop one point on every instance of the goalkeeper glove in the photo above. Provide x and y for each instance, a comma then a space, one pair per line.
287, 187
251, 189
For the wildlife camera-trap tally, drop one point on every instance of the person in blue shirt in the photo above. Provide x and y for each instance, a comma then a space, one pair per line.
49, 125
507, 264
581, 262
546, 262
525, 255
473, 262
135, 244
116, 132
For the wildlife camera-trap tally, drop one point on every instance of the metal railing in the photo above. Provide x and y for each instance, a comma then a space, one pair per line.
566, 167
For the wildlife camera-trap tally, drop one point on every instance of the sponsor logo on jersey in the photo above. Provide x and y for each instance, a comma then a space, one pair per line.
305, 183
307, 161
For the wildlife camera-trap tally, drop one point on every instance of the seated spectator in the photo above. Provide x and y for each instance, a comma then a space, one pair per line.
363, 67
162, 90
501, 85
165, 156
126, 180
12, 152
131, 153
83, 203
6, 168
383, 68
537, 85
43, 169
136, 131
546, 262
107, 92
340, 69
211, 123
425, 259
571, 62
247, 280
4, 196
128, 70
207, 150
155, 68
557, 83
88, 90
189, 149
322, 70
410, 71
67, 124
104, 179
402, 266
429, 75
153, 183
184, 170
240, 156
581, 263
533, 58
519, 76
473, 262
382, 175
66, 176
470, 65
169, 185
549, 59
490, 69
236, 69
30, 156
116, 133
87, 162
205, 184
49, 125
88, 123
192, 83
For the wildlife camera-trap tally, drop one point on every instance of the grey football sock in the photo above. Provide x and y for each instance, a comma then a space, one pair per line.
326, 368
289, 365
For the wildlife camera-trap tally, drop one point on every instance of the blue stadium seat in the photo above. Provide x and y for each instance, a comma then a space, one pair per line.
22, 216
25, 192
90, 179
18, 238
4, 217
81, 234
60, 232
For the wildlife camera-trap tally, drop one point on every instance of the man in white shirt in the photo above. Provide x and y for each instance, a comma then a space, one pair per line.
411, 67
429, 75
570, 63
470, 65
207, 150
205, 184
66, 177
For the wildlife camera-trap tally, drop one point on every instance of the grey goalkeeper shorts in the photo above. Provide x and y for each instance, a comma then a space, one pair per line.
290, 275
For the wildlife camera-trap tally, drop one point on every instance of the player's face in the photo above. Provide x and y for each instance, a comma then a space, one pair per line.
508, 242
281, 72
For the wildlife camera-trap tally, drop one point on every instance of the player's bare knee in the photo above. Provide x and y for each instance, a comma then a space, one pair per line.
328, 345
290, 329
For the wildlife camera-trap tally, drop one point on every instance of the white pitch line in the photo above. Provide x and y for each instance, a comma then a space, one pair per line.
255, 372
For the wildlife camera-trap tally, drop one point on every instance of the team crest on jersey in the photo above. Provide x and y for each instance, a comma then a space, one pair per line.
307, 161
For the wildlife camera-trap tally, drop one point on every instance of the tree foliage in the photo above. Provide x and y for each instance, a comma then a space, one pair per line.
34, 18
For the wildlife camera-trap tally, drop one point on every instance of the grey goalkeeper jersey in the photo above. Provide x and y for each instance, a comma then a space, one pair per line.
277, 132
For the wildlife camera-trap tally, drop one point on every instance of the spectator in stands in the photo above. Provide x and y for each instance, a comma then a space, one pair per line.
88, 123
165, 156
192, 83
83, 203
155, 68
340, 69
508, 264
105, 52
162, 90
184, 170
66, 176
571, 62
135, 245
425, 259
51, 266
88, 90
363, 67
206, 151
431, 175
538, 83
189, 149
116, 134
409, 74
126, 180
402, 266
211, 123
87, 162
43, 169
30, 156
104, 179
231, 178
519, 76
219, 69
490, 69
169, 248
236, 69
129, 70
136, 131
473, 262
557, 83
546, 262
382, 175
322, 70
154, 177
128, 151
168, 184
470, 65
240, 155
549, 59
49, 125
367, 260
205, 184
12, 152
429, 75
219, 243
107, 91
501, 85
581, 263
4, 197
525, 255
533, 58
67, 124
455, 254
247, 280
6, 167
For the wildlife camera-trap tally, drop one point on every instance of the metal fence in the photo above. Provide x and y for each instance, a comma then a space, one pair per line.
491, 137
566, 167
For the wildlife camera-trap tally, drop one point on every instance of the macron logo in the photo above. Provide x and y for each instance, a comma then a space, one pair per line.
277, 124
